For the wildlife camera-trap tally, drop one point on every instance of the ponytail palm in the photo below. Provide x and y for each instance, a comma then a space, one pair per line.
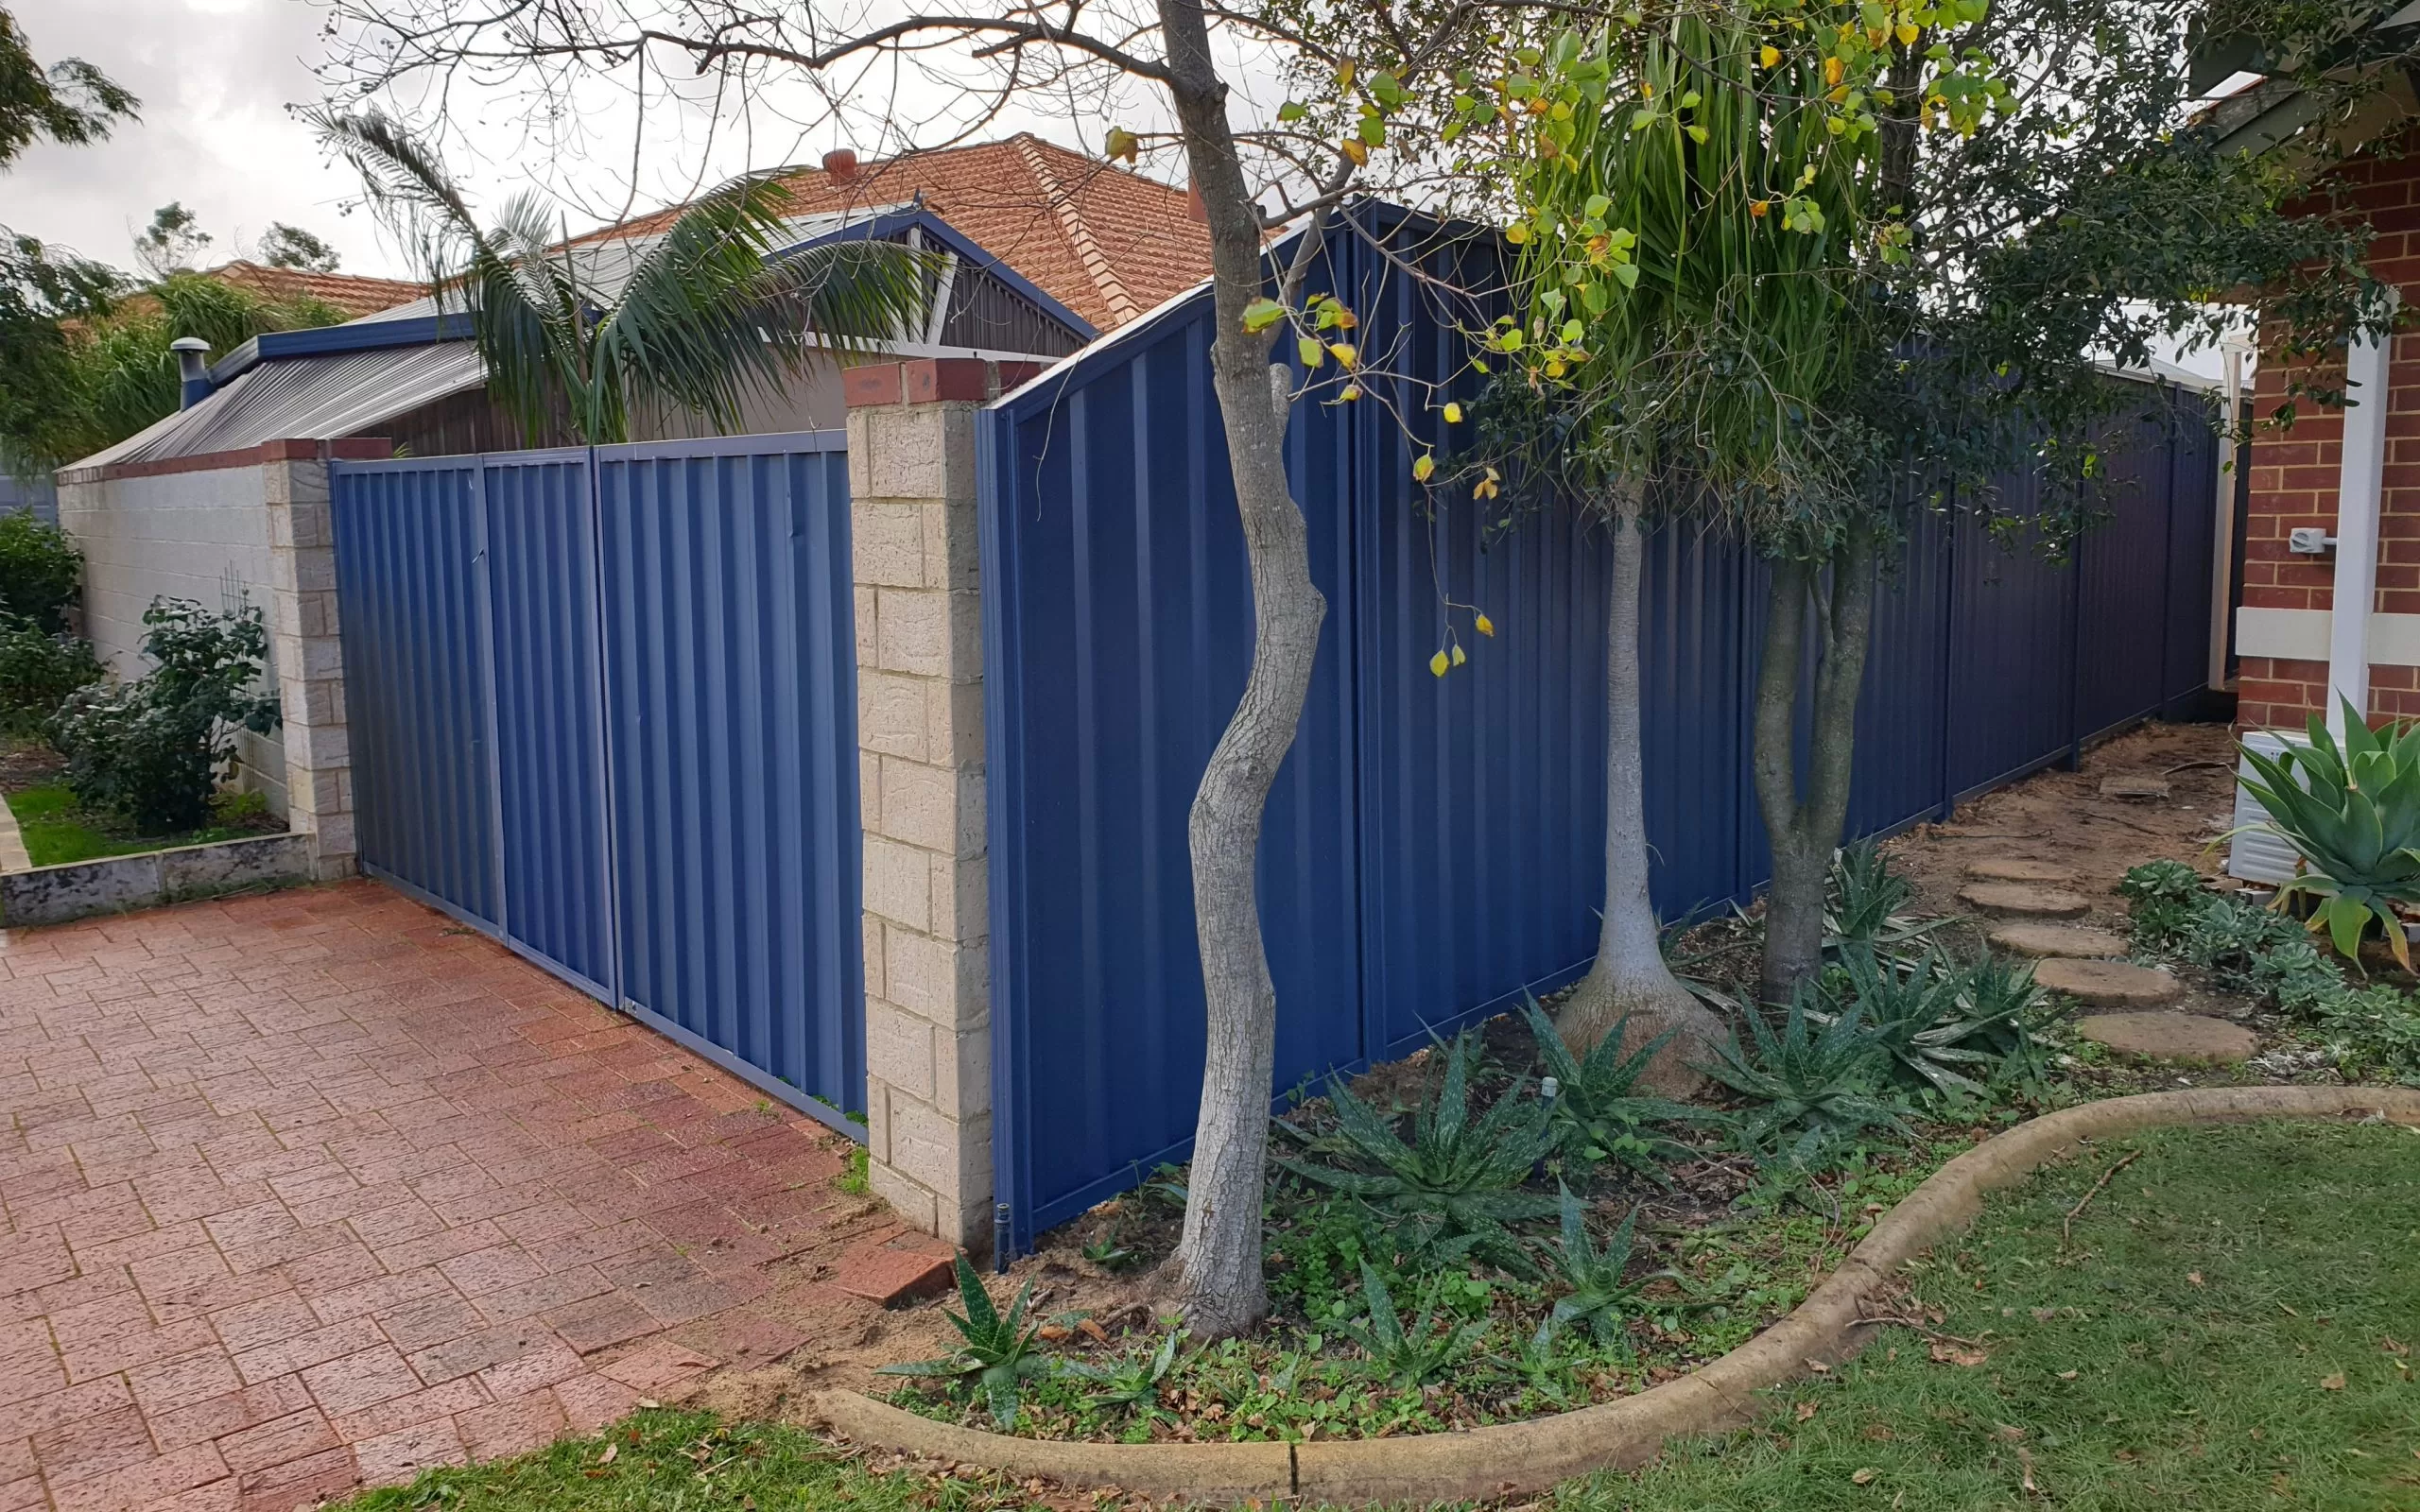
1683, 194
702, 315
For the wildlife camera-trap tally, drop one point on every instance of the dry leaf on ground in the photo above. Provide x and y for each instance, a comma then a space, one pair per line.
1952, 1354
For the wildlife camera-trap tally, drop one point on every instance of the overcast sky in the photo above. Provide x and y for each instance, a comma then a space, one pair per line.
216, 77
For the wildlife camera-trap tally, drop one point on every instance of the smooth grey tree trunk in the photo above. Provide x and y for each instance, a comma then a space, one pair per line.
1630, 987
1803, 823
1217, 1268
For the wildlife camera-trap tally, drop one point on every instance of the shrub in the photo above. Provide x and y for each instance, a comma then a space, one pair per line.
150, 750
2370, 1031
38, 670
41, 571
2352, 814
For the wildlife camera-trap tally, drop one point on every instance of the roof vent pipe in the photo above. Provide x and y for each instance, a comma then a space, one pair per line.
193, 369
841, 165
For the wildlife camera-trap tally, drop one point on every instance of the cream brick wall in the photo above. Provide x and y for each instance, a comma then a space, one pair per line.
920, 734
202, 535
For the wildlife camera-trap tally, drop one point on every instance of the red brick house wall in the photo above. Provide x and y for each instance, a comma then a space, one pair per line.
2293, 483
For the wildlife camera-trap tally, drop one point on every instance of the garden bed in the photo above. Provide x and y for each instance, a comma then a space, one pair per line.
70, 864
1390, 1318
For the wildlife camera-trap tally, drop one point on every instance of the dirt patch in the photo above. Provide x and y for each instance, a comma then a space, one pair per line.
25, 763
2060, 818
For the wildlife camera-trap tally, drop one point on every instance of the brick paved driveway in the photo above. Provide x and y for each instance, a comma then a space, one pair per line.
316, 1188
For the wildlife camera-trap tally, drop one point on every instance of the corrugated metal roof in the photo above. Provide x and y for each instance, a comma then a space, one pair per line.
338, 394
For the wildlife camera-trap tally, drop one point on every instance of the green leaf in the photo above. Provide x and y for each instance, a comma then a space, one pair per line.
1292, 112
1261, 314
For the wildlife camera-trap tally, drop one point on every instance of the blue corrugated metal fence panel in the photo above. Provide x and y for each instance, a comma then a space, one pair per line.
409, 551
550, 762
1115, 575
1432, 845
604, 706
732, 692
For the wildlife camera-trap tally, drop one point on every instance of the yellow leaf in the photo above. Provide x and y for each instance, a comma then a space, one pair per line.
1342, 352
1516, 233
1483, 624
1453, 414
1834, 70
1350, 392
1459, 658
1424, 467
1906, 35
1438, 663
1352, 148
1768, 54
1123, 144
1760, 208
1485, 488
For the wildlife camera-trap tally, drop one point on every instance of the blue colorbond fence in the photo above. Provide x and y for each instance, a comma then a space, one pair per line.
603, 706
1433, 846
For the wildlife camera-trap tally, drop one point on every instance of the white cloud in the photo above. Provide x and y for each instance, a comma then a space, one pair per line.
215, 78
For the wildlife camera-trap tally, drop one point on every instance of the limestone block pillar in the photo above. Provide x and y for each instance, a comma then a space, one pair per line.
920, 742
303, 627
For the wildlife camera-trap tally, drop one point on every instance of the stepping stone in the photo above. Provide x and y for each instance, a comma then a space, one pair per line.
2139, 786
2108, 984
2170, 1035
2070, 940
2024, 900
2010, 868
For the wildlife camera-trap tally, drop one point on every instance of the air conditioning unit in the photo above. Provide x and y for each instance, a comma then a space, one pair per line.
2260, 855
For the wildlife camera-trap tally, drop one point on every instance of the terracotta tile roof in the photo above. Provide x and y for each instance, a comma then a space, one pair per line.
348, 295
1106, 243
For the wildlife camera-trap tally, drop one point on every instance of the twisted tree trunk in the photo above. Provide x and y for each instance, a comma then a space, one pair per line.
1630, 987
1217, 1267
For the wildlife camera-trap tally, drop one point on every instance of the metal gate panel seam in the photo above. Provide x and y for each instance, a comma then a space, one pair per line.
435, 527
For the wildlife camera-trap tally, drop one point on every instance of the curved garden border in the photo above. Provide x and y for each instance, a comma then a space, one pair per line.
1522, 1458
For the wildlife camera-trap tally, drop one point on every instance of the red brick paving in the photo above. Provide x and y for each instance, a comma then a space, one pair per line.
311, 1189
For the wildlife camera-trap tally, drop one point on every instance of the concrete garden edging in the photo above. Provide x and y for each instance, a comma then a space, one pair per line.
113, 885
1524, 1458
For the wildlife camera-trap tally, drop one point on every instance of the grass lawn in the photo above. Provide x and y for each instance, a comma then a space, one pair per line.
57, 831
2230, 1326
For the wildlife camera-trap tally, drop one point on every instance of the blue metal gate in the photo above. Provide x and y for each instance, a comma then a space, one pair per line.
1433, 846
603, 706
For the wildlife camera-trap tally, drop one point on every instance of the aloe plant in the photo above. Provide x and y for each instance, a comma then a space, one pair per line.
1407, 1355
1598, 1113
1131, 1383
1864, 900
2352, 814
1920, 1014
1460, 1172
1000, 1354
1816, 1075
1598, 1294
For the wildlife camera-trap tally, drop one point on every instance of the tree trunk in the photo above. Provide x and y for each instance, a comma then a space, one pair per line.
1630, 987
1804, 828
1217, 1267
